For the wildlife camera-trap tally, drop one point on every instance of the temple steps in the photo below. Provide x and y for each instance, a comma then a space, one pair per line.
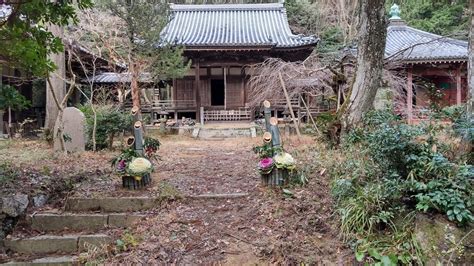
223, 133
59, 244
47, 222
58, 238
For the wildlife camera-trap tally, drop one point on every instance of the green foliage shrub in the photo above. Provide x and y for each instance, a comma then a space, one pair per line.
391, 168
10, 97
111, 120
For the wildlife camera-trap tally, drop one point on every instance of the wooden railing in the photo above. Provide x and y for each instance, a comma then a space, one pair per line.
166, 104
227, 115
282, 102
170, 104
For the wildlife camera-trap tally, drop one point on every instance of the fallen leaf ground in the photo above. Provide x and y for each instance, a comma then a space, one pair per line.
261, 228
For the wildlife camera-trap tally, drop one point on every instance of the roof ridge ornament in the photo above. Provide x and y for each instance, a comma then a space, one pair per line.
395, 12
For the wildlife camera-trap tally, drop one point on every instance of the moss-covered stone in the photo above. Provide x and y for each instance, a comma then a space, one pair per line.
442, 241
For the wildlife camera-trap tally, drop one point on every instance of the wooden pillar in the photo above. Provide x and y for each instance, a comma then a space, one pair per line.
225, 87
197, 91
458, 86
409, 94
174, 94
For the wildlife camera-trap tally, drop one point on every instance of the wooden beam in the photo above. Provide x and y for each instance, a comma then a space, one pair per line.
458, 86
197, 90
289, 105
409, 90
309, 114
430, 71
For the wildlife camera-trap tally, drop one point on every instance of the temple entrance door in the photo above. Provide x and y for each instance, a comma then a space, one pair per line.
217, 92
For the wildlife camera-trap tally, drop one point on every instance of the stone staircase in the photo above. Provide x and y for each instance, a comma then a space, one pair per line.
222, 133
58, 238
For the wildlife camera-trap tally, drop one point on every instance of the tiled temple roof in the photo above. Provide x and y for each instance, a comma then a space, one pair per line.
231, 26
112, 77
412, 45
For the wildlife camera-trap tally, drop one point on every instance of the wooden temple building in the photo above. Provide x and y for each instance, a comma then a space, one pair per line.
427, 58
221, 41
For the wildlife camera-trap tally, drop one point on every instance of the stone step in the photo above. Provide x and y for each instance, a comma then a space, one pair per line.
123, 204
46, 244
46, 261
88, 222
211, 133
218, 196
132, 204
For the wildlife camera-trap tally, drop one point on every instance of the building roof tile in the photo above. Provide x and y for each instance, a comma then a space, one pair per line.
232, 25
413, 45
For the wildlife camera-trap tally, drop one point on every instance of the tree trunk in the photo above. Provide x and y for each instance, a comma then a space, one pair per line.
10, 134
57, 82
370, 56
470, 68
134, 84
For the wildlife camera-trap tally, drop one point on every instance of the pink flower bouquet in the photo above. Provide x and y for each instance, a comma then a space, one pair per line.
265, 166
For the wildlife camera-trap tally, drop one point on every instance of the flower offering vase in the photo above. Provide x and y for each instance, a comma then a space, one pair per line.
131, 182
277, 177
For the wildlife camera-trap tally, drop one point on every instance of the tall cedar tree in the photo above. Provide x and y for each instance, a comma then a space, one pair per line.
470, 104
372, 33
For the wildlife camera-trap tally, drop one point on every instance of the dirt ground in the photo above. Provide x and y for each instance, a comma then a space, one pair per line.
264, 227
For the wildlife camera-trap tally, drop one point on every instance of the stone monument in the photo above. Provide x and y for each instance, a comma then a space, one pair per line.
74, 131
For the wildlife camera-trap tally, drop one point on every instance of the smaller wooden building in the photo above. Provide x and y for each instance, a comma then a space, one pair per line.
427, 58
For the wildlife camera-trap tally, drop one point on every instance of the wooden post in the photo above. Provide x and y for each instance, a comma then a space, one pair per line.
202, 115
409, 89
299, 110
267, 112
225, 87
458, 86
289, 105
310, 115
198, 86
173, 94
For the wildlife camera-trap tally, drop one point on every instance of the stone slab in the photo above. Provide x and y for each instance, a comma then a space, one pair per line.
74, 123
196, 132
253, 132
43, 244
218, 196
124, 220
46, 261
46, 244
93, 240
112, 204
58, 222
